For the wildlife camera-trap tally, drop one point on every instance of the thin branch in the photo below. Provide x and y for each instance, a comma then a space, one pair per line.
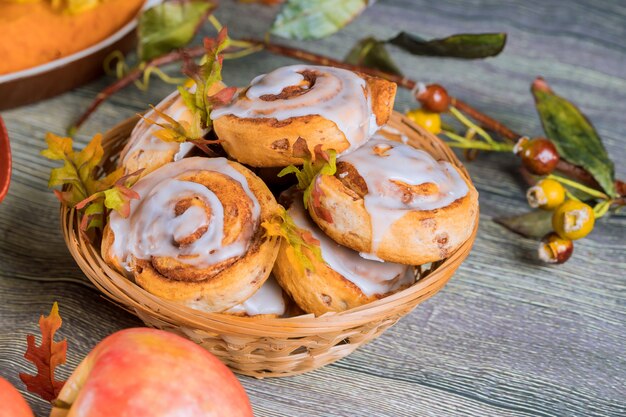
288, 51
487, 122
296, 53
129, 78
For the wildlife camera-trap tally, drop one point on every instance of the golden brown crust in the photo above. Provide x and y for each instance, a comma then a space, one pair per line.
138, 154
266, 142
320, 289
416, 238
220, 286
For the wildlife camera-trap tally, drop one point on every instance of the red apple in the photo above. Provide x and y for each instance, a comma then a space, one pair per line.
12, 404
151, 373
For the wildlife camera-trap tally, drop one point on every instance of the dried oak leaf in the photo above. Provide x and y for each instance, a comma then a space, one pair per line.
46, 357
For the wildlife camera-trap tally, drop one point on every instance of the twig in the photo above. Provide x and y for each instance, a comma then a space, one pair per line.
296, 53
487, 122
129, 78
405, 82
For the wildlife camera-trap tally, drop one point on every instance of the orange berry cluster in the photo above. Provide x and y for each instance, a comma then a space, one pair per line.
571, 219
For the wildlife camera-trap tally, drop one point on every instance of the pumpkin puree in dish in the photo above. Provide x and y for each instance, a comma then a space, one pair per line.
33, 33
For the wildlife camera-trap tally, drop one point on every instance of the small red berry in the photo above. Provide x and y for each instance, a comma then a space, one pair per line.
539, 155
554, 249
434, 98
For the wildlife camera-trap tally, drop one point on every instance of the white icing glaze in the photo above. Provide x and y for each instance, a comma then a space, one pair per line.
370, 256
371, 276
403, 138
338, 95
142, 137
267, 300
404, 164
152, 227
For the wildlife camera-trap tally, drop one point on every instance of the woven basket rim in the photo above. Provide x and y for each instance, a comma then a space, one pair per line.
117, 287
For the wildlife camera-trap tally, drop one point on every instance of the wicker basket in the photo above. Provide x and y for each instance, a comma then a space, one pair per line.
268, 347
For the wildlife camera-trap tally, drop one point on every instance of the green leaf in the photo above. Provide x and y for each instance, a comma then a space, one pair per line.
169, 26
114, 198
325, 163
63, 175
315, 19
88, 194
206, 77
371, 53
573, 135
534, 224
298, 239
200, 103
175, 131
94, 212
466, 45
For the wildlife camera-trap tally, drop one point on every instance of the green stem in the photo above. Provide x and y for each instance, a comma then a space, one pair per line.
151, 70
569, 195
601, 208
462, 142
454, 136
216, 23
579, 186
470, 125
244, 52
231, 42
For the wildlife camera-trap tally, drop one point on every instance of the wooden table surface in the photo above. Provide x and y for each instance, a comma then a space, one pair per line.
506, 336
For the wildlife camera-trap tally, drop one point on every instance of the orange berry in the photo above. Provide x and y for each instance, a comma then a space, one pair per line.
430, 121
546, 194
573, 220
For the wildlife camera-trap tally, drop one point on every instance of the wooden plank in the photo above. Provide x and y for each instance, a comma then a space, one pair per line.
507, 336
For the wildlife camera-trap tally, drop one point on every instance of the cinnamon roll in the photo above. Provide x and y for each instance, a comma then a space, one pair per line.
394, 202
341, 279
326, 106
195, 234
146, 151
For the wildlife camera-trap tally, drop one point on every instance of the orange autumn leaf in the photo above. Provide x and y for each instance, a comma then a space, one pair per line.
46, 357
298, 239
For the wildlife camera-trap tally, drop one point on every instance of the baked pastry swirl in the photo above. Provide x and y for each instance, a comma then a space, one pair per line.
326, 106
146, 151
342, 279
395, 202
194, 236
